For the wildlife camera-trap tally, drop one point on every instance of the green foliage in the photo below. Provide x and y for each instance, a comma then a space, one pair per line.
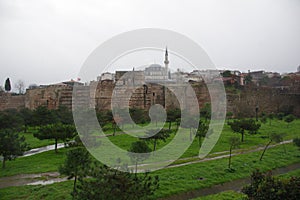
226, 73
239, 126
27, 115
206, 111
108, 183
271, 117
7, 85
280, 116
296, 141
11, 145
57, 132
248, 79
155, 135
263, 119
173, 115
139, 116
229, 115
43, 116
76, 165
273, 137
288, 119
172, 180
264, 186
11, 119
64, 115
234, 143
202, 131
138, 152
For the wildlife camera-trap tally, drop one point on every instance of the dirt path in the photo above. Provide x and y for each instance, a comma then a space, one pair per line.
31, 179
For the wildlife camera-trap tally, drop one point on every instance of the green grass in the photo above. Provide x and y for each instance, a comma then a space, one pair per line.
43, 162
48, 161
56, 191
251, 141
227, 195
290, 174
183, 179
33, 142
172, 180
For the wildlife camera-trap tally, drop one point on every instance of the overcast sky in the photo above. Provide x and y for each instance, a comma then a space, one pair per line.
46, 41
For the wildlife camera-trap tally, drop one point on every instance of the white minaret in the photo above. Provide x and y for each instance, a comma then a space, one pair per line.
166, 63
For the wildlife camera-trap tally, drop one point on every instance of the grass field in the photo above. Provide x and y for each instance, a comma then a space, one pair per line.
43, 162
232, 195
172, 180
179, 179
227, 195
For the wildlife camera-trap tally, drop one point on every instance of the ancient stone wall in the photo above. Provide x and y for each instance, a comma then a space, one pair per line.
241, 102
9, 101
51, 96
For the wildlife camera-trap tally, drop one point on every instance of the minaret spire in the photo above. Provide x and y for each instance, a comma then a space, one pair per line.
166, 62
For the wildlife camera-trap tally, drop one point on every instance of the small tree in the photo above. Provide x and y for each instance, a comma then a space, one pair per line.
263, 119
190, 123
206, 111
107, 183
11, 145
296, 141
7, 85
20, 86
64, 115
229, 115
27, 118
271, 117
239, 126
202, 131
57, 132
234, 142
248, 79
155, 135
42, 116
274, 137
11, 119
138, 152
172, 115
76, 165
288, 119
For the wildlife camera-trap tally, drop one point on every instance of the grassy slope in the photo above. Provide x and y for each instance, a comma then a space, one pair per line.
43, 162
180, 179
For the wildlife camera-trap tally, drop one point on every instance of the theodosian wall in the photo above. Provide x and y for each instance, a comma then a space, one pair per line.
98, 94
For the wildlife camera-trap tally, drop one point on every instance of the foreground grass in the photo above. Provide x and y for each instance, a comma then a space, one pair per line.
180, 179
227, 195
186, 178
56, 191
42, 162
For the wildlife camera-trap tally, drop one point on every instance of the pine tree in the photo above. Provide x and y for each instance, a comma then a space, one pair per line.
7, 85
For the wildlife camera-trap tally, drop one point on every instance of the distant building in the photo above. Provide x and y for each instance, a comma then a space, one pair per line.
105, 76
156, 73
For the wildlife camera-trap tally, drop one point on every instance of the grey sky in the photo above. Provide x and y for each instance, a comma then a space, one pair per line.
46, 41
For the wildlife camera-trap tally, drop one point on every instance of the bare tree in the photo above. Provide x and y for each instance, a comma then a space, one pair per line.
20, 86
